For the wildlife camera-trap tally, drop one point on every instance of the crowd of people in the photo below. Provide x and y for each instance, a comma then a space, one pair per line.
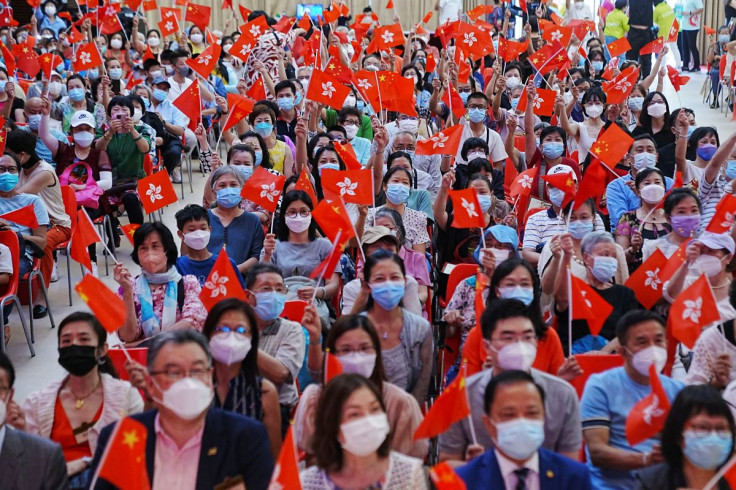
415, 301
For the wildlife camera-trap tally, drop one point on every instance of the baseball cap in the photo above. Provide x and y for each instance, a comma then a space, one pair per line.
376, 233
563, 169
160, 79
717, 241
83, 117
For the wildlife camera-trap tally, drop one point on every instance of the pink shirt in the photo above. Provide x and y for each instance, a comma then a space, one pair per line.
176, 467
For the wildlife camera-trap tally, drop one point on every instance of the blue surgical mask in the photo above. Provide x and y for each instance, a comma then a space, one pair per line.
514, 103
259, 158
552, 149
691, 130
578, 229
556, 196
360, 105
146, 103
388, 294
330, 166
76, 94
604, 268
34, 120
2, 85
464, 96
485, 202
525, 295
519, 438
476, 115
264, 129
286, 103
93, 73
116, 73
229, 197
707, 151
8, 181
159, 95
597, 65
298, 98
397, 193
269, 305
731, 169
707, 451
245, 170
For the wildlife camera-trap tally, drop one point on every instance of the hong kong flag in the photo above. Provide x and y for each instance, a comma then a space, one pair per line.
156, 191
544, 102
618, 89
522, 185
466, 209
88, 56
169, 26
646, 281
264, 189
353, 186
693, 309
387, 37
723, 220
444, 142
327, 90
676, 79
646, 419
588, 305
221, 283
206, 61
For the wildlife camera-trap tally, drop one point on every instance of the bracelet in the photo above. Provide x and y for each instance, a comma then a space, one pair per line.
324, 293
135, 140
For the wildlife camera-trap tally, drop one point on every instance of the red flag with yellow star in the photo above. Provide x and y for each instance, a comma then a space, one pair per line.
304, 184
334, 220
104, 303
239, 107
129, 231
26, 58
190, 103
199, 15
445, 478
123, 463
612, 145
565, 182
450, 407
84, 235
3, 135
552, 56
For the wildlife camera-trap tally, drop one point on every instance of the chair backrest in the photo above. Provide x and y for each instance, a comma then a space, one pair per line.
70, 204
459, 273
10, 240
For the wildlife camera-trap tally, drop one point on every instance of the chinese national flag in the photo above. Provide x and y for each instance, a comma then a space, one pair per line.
244, 12
24, 216
199, 15
444, 477
431, 63
221, 283
333, 219
466, 209
474, 41
426, 17
555, 33
593, 183
474, 13
304, 184
327, 267
88, 56
387, 37
331, 15
304, 23
588, 305
618, 89
612, 145
722, 221
286, 473
447, 32
390, 4
284, 24
336, 69
256, 91
347, 154
84, 236
333, 368
444, 142
26, 58
522, 185
169, 26
149, 5
264, 189
692, 310
397, 92
509, 176
110, 25
618, 47
510, 50
123, 463
653, 47
326, 89
104, 303
453, 101
676, 79
129, 230
156, 191
190, 103
550, 57
132, 82
9, 59
674, 262
294, 310
564, 182
353, 186
481, 283
544, 102
240, 107
206, 61
450, 407
709, 31
646, 419
3, 135
148, 55
646, 282
227, 4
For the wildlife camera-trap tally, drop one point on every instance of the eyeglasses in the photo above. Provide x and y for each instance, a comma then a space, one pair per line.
225, 329
269, 289
10, 170
404, 148
366, 349
293, 214
174, 373
476, 106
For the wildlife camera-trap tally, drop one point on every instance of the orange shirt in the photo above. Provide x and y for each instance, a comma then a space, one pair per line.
63, 433
549, 352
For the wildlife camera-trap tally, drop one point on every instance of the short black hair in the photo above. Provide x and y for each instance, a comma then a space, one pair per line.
470, 143
167, 240
643, 136
395, 155
286, 201
503, 309
191, 212
349, 111
121, 100
150, 63
257, 270
644, 173
338, 128
506, 378
19, 141
284, 84
177, 337
395, 170
477, 95
692, 400
175, 55
8, 367
676, 196
702, 132
633, 318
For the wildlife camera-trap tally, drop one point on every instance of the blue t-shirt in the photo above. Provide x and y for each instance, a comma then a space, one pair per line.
607, 400
201, 268
20, 201
242, 238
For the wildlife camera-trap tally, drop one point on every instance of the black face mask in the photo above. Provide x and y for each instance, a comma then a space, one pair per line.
78, 359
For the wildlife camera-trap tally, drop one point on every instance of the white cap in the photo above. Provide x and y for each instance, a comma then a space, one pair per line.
83, 117
717, 241
563, 169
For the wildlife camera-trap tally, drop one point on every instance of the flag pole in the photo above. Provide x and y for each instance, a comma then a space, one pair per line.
357, 238
470, 418
100, 239
724, 469
569, 311
322, 272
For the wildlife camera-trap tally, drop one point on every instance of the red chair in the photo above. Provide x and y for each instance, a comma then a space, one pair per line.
10, 240
70, 207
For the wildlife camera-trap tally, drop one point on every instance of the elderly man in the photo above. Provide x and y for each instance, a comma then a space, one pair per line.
191, 444
427, 174
175, 123
33, 113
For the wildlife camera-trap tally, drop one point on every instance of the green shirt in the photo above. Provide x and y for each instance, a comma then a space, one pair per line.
365, 130
617, 24
125, 157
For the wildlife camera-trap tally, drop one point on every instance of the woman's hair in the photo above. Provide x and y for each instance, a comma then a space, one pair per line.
240, 148
167, 240
226, 170
249, 366
325, 445
504, 269
221, 69
395, 156
692, 400
315, 168
122, 101
645, 120
288, 199
643, 174
312, 144
265, 157
397, 220
548, 130
676, 196
152, 31
471, 143
105, 364
590, 202
358, 322
700, 133
482, 178
73, 77
395, 170
259, 110
374, 259
594, 238
406, 68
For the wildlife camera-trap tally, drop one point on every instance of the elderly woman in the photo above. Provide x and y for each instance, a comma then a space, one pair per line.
159, 299
240, 232
598, 255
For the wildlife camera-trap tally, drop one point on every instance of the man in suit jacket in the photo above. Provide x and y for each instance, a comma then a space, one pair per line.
27, 462
191, 445
514, 406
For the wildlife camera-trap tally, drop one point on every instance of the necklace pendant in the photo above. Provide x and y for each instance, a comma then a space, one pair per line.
79, 404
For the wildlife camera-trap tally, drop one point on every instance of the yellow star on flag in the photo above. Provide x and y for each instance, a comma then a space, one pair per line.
84, 297
130, 439
382, 78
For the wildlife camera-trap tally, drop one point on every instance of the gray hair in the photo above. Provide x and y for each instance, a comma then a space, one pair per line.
396, 219
594, 238
226, 170
409, 133
148, 90
176, 337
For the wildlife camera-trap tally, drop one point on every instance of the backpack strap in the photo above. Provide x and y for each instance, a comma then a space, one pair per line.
180, 293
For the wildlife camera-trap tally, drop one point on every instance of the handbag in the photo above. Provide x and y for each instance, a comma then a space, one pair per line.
80, 173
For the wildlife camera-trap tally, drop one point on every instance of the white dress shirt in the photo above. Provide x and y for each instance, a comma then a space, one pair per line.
509, 477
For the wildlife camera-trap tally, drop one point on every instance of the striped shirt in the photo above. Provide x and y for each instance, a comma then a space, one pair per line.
543, 225
710, 195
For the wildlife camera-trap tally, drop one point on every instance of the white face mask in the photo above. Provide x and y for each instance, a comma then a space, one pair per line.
358, 363
351, 131
594, 110
55, 88
229, 347
350, 101
298, 224
500, 254
517, 355
188, 398
656, 110
116, 44
645, 357
709, 265
644, 160
84, 138
652, 193
137, 115
512, 82
3, 411
476, 154
153, 41
197, 240
411, 125
196, 38
365, 435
